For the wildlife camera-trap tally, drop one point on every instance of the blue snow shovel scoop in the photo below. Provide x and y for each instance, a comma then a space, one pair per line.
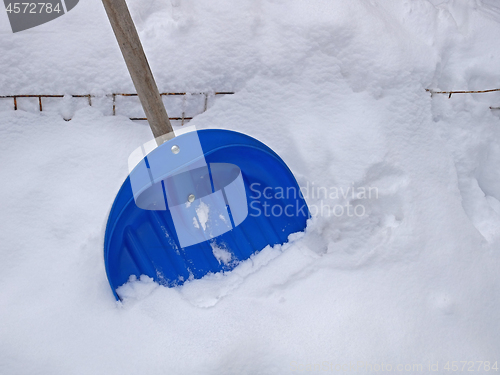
201, 201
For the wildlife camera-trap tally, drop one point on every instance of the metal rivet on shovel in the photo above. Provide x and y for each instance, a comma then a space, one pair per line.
191, 198
175, 149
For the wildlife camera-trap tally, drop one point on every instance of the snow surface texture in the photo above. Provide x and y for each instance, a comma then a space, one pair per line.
337, 89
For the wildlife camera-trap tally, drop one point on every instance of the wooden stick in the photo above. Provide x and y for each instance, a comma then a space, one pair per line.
138, 67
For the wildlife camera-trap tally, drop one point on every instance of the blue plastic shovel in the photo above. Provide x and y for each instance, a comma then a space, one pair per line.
200, 202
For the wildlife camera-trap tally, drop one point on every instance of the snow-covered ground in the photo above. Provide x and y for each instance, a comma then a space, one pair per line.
337, 88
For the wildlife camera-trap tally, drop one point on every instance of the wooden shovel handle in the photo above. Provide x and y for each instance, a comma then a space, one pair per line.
138, 67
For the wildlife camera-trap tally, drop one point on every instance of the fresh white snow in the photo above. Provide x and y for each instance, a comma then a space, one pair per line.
221, 254
202, 212
337, 89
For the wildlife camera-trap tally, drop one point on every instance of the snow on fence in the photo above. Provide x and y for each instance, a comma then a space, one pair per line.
182, 105
449, 93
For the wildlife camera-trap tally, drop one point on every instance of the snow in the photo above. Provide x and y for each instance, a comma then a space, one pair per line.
195, 223
202, 212
337, 88
223, 255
